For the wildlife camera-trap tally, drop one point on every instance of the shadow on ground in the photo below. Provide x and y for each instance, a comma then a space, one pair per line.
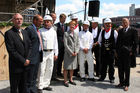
5, 90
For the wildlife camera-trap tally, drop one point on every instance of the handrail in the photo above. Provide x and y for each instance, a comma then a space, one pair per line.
2, 34
3, 41
2, 44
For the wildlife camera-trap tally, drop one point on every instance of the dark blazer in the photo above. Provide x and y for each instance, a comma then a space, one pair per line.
19, 50
60, 35
35, 54
127, 41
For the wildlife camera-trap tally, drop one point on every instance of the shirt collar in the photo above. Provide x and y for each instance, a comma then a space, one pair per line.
61, 24
34, 27
127, 28
95, 28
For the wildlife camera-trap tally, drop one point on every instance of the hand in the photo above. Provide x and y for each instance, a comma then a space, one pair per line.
27, 62
85, 50
55, 58
74, 54
131, 54
116, 55
95, 44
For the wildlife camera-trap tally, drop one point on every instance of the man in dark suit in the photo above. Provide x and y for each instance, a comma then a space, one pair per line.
95, 30
19, 48
61, 28
36, 53
126, 48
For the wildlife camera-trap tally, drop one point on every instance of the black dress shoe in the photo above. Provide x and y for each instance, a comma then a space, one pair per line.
100, 79
92, 79
47, 88
73, 83
40, 91
111, 81
60, 75
55, 79
82, 79
119, 86
66, 84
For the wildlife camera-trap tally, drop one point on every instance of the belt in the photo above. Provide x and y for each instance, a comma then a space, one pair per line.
47, 50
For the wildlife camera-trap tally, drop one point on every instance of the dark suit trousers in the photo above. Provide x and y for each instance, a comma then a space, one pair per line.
31, 79
124, 69
96, 51
17, 82
107, 61
60, 60
54, 74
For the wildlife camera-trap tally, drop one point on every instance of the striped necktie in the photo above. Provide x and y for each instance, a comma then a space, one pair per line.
20, 34
39, 36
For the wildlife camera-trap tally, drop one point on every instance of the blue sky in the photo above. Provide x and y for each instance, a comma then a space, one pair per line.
108, 8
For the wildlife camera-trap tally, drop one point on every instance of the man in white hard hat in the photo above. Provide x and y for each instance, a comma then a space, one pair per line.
107, 40
86, 42
95, 30
50, 52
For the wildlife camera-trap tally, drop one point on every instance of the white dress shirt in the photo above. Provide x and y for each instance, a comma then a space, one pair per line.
127, 29
107, 36
95, 32
49, 39
86, 39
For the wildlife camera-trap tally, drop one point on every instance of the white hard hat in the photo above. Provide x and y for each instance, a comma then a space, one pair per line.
95, 20
47, 17
74, 17
107, 20
86, 22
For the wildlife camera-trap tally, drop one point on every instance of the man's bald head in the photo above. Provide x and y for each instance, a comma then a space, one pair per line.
125, 22
17, 20
53, 15
37, 20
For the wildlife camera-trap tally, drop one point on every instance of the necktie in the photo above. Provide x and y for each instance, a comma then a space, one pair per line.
62, 28
20, 34
124, 29
40, 39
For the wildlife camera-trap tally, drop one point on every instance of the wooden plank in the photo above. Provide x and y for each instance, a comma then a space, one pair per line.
4, 70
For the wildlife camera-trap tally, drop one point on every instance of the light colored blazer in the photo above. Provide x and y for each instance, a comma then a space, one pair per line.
71, 44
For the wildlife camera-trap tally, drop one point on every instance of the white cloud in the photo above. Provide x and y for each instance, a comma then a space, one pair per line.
106, 9
114, 10
74, 6
137, 6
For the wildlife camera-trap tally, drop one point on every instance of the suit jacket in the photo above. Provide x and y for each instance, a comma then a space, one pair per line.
36, 56
127, 42
19, 50
60, 35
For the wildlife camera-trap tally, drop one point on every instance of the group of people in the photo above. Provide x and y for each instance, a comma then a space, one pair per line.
36, 54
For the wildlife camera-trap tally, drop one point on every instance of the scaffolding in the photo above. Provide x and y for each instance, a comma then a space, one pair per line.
28, 8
